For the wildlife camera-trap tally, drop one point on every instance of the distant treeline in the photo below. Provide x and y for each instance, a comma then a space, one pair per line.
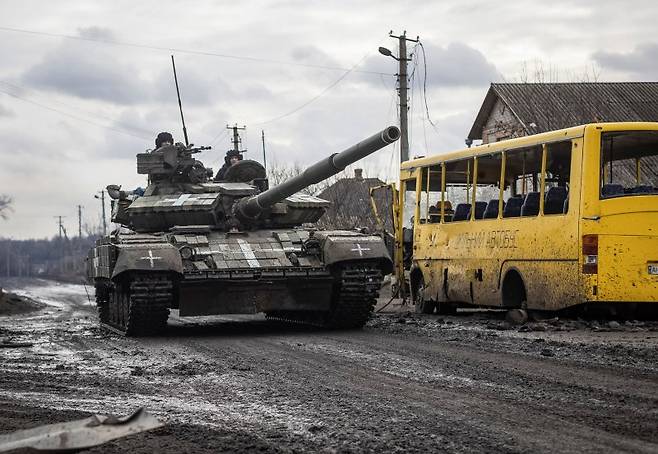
56, 258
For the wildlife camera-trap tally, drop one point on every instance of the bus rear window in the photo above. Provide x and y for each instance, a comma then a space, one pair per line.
629, 163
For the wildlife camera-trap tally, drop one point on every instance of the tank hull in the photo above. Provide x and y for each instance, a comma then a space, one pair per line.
292, 274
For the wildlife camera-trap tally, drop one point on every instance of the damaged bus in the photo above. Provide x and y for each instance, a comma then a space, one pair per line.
563, 219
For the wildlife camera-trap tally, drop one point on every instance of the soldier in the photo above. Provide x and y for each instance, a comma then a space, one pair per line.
164, 138
232, 158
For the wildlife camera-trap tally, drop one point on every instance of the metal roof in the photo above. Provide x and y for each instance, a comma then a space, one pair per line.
541, 107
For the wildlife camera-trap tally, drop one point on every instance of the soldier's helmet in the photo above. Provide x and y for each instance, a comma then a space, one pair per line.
162, 138
232, 154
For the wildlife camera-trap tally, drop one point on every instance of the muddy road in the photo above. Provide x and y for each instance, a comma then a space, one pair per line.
405, 383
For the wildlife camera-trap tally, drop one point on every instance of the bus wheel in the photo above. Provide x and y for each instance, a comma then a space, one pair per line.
446, 308
417, 291
514, 294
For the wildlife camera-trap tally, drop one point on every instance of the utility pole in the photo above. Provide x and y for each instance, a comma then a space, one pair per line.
264, 160
236, 141
102, 198
80, 221
403, 87
60, 225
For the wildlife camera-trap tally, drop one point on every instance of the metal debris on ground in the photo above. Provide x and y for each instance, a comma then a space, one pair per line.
78, 435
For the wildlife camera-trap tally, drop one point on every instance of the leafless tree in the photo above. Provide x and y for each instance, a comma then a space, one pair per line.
347, 209
5, 206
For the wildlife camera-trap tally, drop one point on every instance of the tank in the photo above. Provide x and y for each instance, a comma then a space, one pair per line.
236, 246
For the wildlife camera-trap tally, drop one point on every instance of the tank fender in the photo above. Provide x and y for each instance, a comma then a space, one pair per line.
343, 248
151, 257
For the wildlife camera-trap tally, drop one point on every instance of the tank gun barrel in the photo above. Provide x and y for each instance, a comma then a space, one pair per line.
251, 207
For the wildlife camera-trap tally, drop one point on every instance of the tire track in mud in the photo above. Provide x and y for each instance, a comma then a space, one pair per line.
369, 390
465, 402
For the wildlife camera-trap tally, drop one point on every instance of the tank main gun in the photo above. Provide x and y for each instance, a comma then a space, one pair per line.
250, 208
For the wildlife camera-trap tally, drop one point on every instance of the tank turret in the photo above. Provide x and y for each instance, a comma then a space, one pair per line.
181, 192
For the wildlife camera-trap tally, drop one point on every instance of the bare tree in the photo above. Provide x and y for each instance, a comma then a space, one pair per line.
278, 174
5, 206
350, 204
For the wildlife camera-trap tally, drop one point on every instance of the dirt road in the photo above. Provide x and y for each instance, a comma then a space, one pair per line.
405, 383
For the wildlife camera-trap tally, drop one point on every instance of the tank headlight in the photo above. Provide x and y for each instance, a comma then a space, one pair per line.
186, 252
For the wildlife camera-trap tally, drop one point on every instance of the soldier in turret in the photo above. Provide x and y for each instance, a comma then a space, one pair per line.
164, 138
232, 158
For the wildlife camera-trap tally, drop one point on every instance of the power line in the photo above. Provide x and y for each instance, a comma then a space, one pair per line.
427, 110
125, 126
75, 117
184, 51
316, 97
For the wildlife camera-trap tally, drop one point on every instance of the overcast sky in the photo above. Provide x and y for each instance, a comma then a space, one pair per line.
87, 85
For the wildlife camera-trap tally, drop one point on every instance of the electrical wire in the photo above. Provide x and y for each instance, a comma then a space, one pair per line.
31, 92
75, 117
412, 81
422, 116
316, 97
184, 51
427, 110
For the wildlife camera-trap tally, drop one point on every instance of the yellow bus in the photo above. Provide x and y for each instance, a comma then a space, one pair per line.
544, 222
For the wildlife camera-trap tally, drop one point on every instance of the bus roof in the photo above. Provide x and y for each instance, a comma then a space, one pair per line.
520, 142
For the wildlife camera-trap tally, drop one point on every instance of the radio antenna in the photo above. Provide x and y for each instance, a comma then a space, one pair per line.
180, 105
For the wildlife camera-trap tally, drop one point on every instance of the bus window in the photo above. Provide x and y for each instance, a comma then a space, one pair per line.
430, 195
629, 163
409, 208
459, 187
558, 174
522, 177
487, 186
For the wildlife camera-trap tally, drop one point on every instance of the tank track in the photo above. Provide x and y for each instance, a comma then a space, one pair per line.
139, 305
354, 296
103, 303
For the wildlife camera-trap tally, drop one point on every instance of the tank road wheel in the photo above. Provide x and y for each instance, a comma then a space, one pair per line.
354, 296
139, 305
103, 302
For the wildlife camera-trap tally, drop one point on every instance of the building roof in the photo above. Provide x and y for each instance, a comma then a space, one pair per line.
351, 207
541, 107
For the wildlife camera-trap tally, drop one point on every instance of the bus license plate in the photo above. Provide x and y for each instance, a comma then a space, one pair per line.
653, 268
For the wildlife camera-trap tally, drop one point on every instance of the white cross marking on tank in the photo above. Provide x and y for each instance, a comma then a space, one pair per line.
165, 201
183, 198
150, 258
178, 201
360, 249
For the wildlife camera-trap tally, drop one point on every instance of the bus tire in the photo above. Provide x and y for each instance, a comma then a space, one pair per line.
446, 308
514, 291
417, 294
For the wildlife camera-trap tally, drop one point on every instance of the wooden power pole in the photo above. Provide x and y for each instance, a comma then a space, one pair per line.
402, 59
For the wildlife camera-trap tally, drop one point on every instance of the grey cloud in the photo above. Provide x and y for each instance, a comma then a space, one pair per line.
200, 88
642, 61
76, 69
454, 65
312, 55
99, 33
458, 64
5, 112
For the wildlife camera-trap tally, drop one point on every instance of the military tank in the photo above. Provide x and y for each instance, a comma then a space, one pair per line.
235, 246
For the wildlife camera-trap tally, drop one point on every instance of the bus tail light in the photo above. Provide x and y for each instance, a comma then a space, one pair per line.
590, 254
